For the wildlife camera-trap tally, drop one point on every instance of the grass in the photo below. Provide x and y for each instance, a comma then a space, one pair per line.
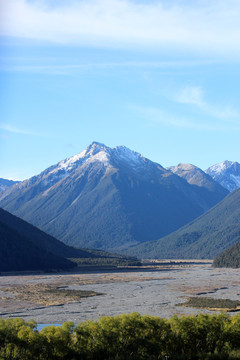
214, 304
105, 261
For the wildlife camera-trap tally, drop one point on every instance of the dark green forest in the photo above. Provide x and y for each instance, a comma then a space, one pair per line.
229, 258
124, 337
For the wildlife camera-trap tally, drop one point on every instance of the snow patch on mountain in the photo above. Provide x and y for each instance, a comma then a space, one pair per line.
236, 179
6, 184
226, 173
219, 168
132, 158
95, 151
99, 152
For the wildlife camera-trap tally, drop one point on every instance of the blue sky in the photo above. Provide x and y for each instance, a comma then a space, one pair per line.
160, 77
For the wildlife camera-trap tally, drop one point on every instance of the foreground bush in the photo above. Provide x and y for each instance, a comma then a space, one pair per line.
124, 337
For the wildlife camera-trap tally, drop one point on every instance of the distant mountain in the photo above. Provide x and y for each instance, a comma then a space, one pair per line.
5, 184
227, 174
195, 176
107, 198
229, 258
203, 238
24, 247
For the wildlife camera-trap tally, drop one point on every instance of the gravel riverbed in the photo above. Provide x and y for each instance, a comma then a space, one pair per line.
150, 292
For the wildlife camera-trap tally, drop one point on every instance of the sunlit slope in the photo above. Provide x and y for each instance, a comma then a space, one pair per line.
206, 184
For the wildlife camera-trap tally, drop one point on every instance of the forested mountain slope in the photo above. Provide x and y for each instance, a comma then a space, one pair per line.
205, 237
229, 258
24, 247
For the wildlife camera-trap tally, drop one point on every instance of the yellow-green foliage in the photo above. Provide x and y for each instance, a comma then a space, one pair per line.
124, 337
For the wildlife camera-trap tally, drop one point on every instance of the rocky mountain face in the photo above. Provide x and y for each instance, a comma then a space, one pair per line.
6, 184
204, 238
108, 198
226, 173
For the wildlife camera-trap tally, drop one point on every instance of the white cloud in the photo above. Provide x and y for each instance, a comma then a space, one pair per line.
194, 95
162, 117
58, 69
211, 26
16, 130
191, 95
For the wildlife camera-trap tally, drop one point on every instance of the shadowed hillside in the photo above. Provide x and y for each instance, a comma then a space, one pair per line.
24, 247
205, 237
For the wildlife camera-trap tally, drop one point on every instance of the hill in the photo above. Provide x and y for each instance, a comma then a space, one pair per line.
24, 247
39, 238
203, 238
108, 198
229, 258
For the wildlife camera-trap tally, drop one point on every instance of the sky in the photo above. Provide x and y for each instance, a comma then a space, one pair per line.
161, 77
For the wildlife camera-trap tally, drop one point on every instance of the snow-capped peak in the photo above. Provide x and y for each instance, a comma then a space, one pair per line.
227, 173
97, 152
125, 154
219, 168
96, 147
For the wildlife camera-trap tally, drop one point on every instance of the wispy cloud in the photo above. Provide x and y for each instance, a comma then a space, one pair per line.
163, 117
64, 69
211, 26
194, 95
191, 95
16, 130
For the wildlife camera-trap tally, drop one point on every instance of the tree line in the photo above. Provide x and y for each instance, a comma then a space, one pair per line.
124, 337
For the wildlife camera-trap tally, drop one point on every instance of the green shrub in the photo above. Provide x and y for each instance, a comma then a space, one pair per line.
135, 337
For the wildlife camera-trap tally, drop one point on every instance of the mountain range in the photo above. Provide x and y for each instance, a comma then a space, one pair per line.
112, 198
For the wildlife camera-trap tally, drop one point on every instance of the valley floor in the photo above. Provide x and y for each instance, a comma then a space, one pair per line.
56, 298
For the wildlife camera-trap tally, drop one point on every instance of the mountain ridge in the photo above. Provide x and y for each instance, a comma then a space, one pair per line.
6, 184
196, 176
